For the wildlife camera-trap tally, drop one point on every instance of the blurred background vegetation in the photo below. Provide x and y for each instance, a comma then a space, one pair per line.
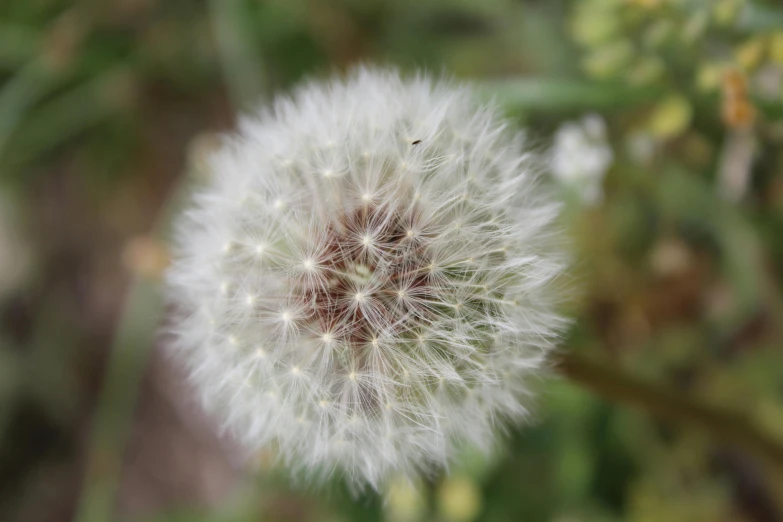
664, 119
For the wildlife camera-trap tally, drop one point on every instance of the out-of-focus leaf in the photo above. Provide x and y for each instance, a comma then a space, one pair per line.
69, 113
18, 45
545, 94
758, 17
16, 96
685, 198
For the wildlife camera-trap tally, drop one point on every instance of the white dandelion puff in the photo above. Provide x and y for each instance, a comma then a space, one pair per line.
367, 280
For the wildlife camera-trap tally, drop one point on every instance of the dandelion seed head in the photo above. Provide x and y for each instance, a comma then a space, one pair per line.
400, 292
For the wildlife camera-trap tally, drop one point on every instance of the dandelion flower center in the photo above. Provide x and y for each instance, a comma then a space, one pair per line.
359, 293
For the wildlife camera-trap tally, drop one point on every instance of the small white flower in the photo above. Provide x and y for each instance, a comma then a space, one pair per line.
581, 156
375, 319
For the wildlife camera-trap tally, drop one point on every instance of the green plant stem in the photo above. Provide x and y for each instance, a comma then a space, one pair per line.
113, 421
617, 386
127, 362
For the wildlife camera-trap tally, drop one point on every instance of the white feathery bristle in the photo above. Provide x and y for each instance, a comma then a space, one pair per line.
367, 280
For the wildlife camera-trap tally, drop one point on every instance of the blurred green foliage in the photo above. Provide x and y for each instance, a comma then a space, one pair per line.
106, 105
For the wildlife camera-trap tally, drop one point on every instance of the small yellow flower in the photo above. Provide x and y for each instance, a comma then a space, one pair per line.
671, 117
776, 48
403, 502
726, 12
459, 499
708, 77
607, 60
646, 4
695, 26
750, 53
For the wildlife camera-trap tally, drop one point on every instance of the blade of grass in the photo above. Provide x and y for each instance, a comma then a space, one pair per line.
69, 113
18, 95
127, 362
18, 45
546, 94
51, 62
144, 306
241, 59
128, 359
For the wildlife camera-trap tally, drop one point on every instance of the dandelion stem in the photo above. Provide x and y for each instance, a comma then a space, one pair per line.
728, 426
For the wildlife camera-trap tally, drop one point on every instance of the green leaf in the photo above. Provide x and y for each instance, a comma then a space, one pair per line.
546, 94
